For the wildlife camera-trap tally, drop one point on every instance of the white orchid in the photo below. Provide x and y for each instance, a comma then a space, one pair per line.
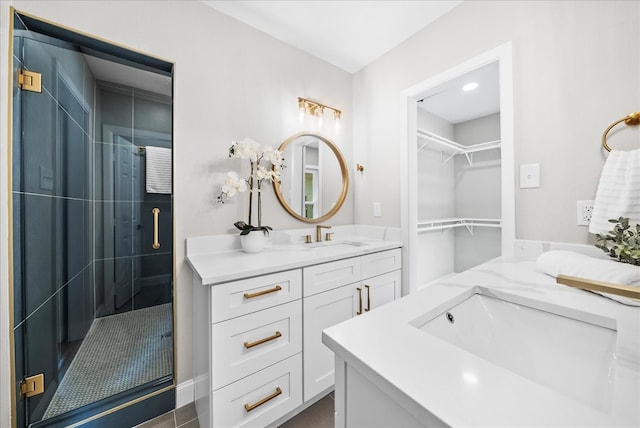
245, 149
249, 149
233, 184
271, 174
273, 156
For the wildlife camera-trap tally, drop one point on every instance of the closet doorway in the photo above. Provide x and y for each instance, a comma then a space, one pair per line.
459, 211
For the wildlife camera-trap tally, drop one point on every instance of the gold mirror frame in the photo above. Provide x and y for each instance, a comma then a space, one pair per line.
343, 169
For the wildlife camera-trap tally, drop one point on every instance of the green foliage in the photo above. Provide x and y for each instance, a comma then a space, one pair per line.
247, 228
621, 243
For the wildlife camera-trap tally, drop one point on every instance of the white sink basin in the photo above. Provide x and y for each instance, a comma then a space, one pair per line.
334, 244
570, 352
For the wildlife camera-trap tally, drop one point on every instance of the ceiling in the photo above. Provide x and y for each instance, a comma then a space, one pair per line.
352, 34
348, 34
451, 103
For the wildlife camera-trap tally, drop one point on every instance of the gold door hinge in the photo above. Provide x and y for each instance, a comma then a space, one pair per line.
32, 385
29, 80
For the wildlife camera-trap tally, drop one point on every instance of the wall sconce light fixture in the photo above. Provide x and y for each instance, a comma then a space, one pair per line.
316, 109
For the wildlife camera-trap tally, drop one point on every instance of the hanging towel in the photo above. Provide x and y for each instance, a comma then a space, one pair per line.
618, 193
158, 169
579, 265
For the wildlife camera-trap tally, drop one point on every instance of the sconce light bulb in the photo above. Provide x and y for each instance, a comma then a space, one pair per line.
319, 122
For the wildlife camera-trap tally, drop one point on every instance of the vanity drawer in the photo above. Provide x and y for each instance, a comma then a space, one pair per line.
382, 262
269, 394
245, 345
233, 299
331, 275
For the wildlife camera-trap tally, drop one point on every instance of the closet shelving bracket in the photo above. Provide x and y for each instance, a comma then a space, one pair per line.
449, 223
455, 148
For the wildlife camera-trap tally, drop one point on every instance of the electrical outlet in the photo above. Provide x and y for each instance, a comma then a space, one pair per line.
583, 212
377, 209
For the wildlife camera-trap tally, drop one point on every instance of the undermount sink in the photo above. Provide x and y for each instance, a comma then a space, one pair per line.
568, 351
335, 244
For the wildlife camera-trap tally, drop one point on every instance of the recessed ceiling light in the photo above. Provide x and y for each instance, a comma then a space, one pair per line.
470, 86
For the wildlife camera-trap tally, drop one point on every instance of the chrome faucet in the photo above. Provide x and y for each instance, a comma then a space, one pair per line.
319, 228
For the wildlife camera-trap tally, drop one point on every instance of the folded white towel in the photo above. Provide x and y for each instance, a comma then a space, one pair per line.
618, 193
158, 169
579, 265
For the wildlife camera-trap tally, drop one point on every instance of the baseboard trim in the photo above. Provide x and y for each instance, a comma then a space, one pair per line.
185, 393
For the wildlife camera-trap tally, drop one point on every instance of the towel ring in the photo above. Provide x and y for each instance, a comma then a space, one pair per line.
631, 119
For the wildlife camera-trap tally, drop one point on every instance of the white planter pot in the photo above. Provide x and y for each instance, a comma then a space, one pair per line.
254, 242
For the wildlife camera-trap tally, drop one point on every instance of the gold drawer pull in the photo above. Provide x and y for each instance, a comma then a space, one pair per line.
359, 301
261, 293
261, 341
250, 407
368, 298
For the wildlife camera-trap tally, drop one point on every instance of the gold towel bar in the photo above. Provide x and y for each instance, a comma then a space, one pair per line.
603, 287
630, 119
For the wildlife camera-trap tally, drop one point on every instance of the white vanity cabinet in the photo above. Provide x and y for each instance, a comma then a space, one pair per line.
335, 292
258, 322
249, 359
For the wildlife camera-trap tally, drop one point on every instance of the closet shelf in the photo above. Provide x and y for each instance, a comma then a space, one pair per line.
455, 148
449, 223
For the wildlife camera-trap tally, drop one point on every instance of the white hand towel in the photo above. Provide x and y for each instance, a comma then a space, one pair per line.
158, 169
618, 193
579, 265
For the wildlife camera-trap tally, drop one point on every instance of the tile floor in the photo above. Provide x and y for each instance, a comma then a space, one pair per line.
184, 417
320, 415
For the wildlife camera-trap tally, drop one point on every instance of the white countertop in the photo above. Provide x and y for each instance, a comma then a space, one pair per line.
217, 259
424, 374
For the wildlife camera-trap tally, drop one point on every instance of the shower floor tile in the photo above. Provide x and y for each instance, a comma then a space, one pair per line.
119, 352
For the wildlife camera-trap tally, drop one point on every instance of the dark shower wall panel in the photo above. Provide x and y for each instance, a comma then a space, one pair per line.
115, 107
38, 156
152, 113
154, 262
79, 301
38, 270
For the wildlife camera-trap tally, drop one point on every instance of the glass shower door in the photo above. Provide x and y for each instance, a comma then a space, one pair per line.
85, 332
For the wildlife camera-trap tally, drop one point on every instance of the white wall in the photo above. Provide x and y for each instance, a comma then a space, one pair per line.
231, 81
478, 187
436, 187
478, 192
576, 70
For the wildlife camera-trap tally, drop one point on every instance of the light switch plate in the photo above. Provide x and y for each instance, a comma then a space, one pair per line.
530, 176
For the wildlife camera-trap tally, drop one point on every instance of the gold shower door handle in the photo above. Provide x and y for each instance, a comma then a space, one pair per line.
359, 301
156, 214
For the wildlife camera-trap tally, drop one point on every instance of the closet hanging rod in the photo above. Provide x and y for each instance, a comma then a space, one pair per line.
630, 119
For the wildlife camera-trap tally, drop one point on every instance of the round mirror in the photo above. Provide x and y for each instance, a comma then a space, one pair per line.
314, 183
